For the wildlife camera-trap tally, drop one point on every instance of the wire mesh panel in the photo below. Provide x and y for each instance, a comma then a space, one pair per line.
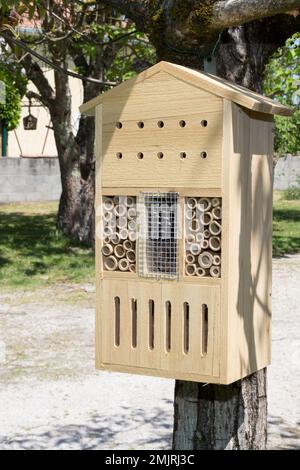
158, 235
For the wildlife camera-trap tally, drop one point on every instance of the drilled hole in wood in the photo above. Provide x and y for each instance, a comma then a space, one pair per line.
203, 154
182, 155
141, 125
204, 329
186, 327
204, 123
140, 155
151, 324
160, 124
119, 125
160, 155
168, 326
182, 123
119, 155
117, 321
133, 323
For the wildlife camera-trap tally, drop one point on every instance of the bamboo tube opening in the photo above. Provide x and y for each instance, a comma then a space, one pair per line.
123, 233
132, 268
190, 259
217, 213
131, 213
131, 224
120, 210
116, 200
107, 216
214, 243
190, 238
189, 214
215, 228
123, 264
206, 233
127, 244
205, 260
200, 272
217, 260
216, 201
107, 250
115, 238
132, 236
215, 271
195, 248
129, 201
108, 204
206, 218
110, 263
204, 244
191, 202
107, 231
199, 237
193, 226
119, 251
130, 255
122, 222
190, 269
204, 204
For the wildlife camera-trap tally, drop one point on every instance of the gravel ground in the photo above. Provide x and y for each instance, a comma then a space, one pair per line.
52, 398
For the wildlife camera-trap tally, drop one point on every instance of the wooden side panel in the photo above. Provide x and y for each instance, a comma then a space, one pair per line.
165, 357
167, 99
248, 197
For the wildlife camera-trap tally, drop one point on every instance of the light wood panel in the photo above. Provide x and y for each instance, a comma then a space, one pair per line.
247, 280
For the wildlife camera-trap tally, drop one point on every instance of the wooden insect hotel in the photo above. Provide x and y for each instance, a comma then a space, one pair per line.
183, 226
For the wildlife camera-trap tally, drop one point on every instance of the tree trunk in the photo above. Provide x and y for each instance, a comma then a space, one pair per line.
229, 416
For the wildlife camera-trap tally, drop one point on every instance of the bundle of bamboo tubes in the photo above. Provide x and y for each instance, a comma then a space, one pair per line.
203, 227
119, 229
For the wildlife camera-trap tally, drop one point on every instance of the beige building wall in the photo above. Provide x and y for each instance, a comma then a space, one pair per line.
40, 142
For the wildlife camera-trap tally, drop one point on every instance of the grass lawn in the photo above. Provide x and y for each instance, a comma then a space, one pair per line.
33, 254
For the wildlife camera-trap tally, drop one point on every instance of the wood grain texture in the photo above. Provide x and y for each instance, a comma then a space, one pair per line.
246, 288
210, 83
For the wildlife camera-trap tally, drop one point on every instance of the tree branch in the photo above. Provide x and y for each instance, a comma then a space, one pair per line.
228, 13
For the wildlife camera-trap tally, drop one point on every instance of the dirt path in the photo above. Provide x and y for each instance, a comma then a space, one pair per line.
52, 398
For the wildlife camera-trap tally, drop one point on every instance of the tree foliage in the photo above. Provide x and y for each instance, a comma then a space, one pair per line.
282, 82
15, 85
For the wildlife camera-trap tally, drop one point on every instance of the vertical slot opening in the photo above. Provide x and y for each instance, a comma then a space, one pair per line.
151, 324
168, 326
117, 321
186, 327
133, 323
204, 329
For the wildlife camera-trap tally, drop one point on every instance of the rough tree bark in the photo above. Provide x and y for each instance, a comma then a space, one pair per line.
185, 31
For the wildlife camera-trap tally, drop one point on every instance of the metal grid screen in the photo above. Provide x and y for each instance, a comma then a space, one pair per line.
158, 235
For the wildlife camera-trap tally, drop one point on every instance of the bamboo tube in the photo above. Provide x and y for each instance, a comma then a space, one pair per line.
217, 213
189, 214
107, 216
123, 264
119, 251
116, 200
107, 250
206, 233
206, 218
127, 244
215, 228
131, 213
190, 238
110, 263
107, 231
214, 243
120, 210
205, 259
123, 233
190, 259
130, 255
122, 222
204, 204
216, 201
199, 237
132, 236
190, 269
132, 268
217, 260
200, 272
115, 238
204, 244
108, 204
131, 224
191, 202
106, 240
193, 226
129, 201
195, 248
215, 271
